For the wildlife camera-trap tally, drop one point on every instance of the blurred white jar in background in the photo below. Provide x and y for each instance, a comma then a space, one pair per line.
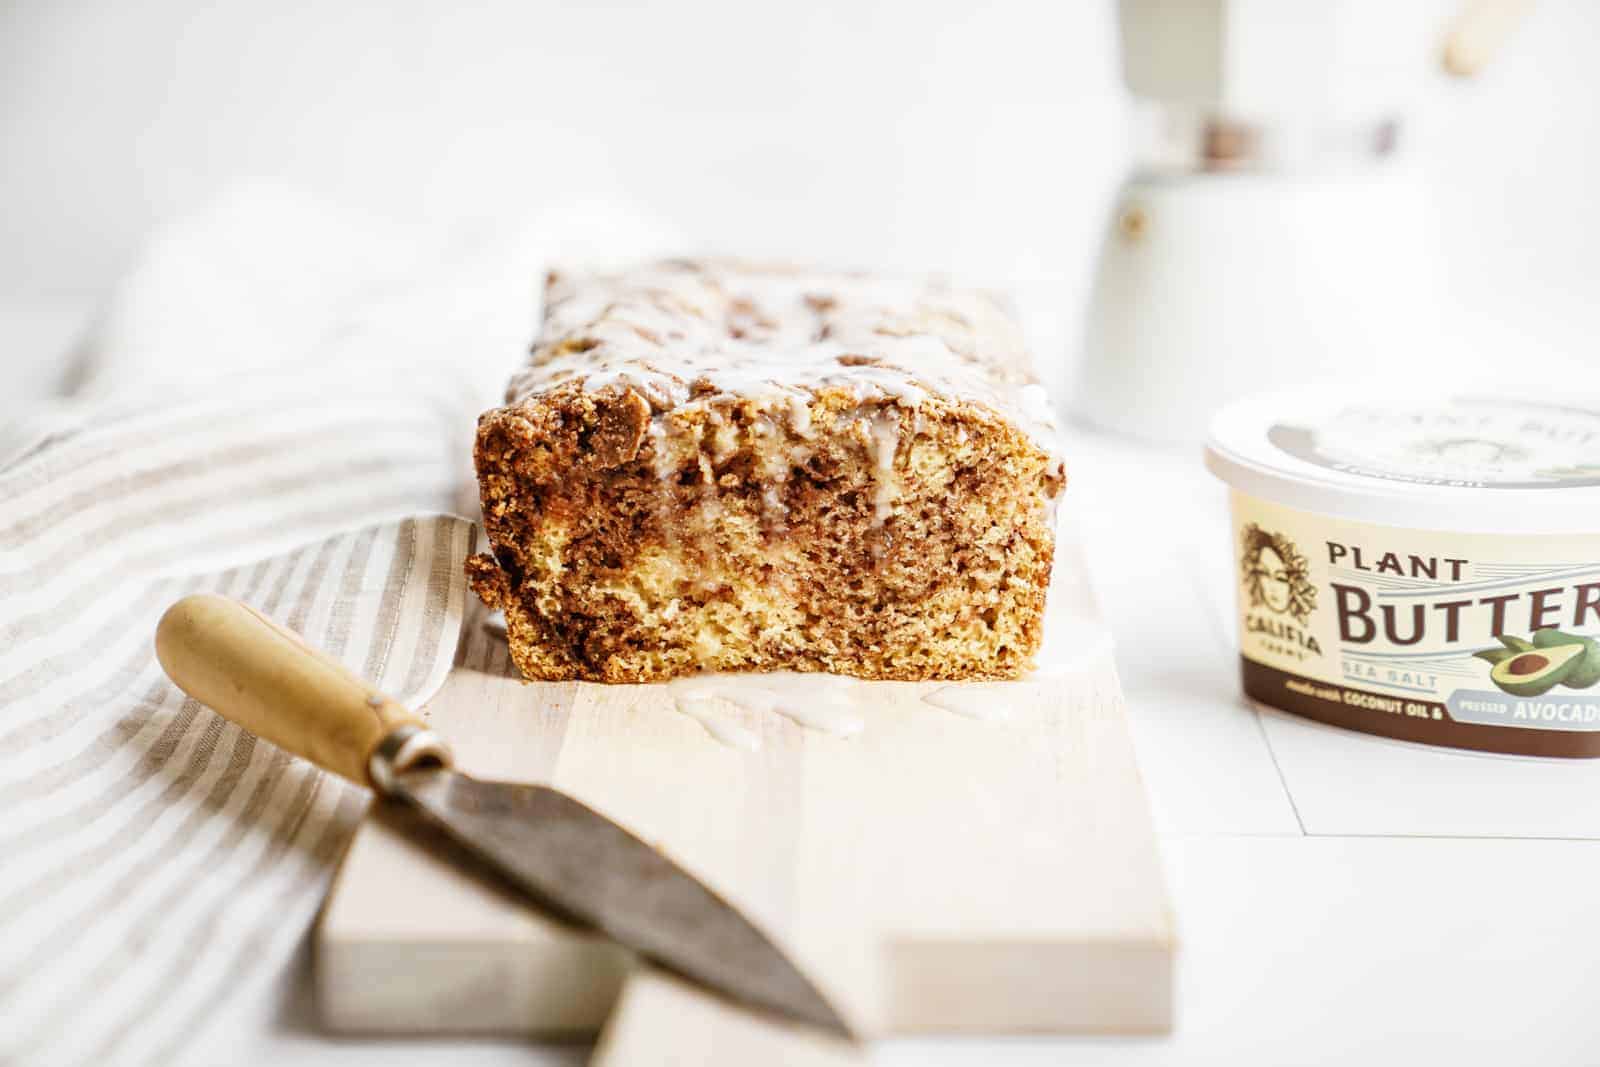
1271, 231
1252, 271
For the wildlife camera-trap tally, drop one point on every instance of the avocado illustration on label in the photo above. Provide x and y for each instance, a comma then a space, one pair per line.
1587, 671
1517, 644
1534, 671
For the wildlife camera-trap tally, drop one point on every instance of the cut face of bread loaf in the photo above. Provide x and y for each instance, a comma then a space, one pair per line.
723, 467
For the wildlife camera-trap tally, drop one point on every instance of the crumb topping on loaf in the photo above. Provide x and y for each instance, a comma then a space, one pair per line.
689, 332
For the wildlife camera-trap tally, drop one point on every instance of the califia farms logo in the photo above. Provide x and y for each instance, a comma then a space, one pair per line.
1276, 575
1277, 583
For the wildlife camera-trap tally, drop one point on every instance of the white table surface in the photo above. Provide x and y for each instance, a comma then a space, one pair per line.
1340, 898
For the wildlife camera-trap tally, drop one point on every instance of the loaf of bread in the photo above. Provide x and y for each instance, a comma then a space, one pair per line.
713, 466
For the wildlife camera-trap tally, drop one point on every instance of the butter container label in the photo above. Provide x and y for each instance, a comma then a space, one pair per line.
1478, 641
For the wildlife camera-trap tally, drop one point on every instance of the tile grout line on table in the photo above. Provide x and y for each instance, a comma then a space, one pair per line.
1257, 835
1210, 609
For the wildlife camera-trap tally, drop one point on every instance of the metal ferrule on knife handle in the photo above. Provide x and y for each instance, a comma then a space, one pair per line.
265, 678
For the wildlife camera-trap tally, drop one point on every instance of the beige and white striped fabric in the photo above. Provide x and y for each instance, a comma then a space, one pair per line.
155, 861
277, 403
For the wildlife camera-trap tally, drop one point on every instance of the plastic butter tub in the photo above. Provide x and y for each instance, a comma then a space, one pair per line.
1422, 569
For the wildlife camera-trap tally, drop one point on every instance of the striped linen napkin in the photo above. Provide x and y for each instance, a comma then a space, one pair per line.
278, 409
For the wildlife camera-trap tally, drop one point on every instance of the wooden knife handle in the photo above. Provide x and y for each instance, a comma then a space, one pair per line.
265, 678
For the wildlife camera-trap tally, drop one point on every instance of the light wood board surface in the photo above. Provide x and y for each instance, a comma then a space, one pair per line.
932, 873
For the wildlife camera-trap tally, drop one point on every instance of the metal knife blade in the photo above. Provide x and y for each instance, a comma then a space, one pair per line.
569, 857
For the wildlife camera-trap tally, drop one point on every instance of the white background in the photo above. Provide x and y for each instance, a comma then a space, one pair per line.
980, 138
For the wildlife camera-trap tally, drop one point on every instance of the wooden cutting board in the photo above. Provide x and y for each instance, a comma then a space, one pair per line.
933, 873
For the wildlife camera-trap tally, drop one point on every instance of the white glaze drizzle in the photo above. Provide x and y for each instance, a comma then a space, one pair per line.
774, 464
800, 416
885, 431
983, 700
718, 726
823, 702
685, 334
665, 468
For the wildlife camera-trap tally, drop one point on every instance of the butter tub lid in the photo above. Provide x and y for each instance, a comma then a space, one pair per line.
1474, 461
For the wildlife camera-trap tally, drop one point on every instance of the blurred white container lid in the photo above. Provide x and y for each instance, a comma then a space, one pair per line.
1482, 460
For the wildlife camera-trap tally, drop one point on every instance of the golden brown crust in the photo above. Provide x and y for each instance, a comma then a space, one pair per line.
862, 535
